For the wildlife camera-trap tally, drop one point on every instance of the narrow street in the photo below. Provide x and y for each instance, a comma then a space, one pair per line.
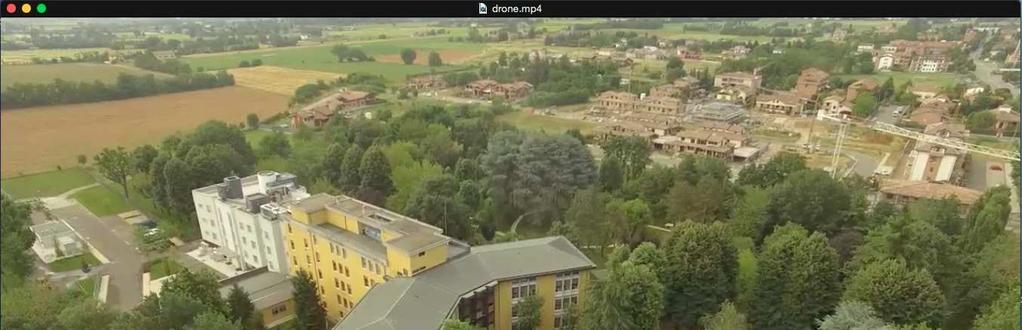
125, 267
985, 73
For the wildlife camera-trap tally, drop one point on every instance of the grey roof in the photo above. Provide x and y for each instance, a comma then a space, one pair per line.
361, 243
314, 203
424, 301
264, 288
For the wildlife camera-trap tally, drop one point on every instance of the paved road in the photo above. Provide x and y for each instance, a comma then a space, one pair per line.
113, 238
865, 165
985, 73
983, 174
886, 114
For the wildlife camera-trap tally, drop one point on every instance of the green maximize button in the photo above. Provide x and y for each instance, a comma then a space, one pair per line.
40, 8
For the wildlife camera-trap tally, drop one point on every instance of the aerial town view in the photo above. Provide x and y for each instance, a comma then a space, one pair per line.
510, 173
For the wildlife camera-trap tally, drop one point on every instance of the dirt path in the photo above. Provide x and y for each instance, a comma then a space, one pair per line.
62, 200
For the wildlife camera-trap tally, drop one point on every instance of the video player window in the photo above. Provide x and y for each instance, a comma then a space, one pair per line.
503, 165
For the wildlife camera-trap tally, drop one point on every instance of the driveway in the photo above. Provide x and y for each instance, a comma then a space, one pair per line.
113, 238
886, 113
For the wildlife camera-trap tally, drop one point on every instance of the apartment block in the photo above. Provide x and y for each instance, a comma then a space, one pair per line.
625, 101
377, 269
240, 218
482, 287
732, 79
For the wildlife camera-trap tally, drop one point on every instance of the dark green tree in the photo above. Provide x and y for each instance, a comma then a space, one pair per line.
434, 59
611, 174
333, 164
276, 144
773, 171
700, 273
811, 199
240, 309
529, 313
15, 262
631, 152
210, 320
350, 178
116, 165
630, 298
1002, 314
375, 173
408, 55
252, 120
309, 311
798, 280
898, 294
728, 318
142, 157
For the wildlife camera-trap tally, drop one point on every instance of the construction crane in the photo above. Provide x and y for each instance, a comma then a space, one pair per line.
838, 142
921, 137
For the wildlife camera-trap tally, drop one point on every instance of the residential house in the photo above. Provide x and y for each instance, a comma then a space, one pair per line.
810, 81
55, 240
658, 123
270, 293
938, 163
903, 192
696, 142
240, 218
320, 112
374, 266
932, 111
623, 128
836, 105
1005, 120
916, 56
780, 102
624, 101
864, 48
668, 90
858, 87
737, 52
426, 82
165, 55
731, 79
490, 88
686, 54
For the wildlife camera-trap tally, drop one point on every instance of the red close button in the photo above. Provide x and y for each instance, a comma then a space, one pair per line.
11, 8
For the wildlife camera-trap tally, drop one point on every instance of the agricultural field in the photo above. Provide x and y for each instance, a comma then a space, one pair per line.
39, 139
25, 56
940, 79
46, 184
319, 58
46, 73
391, 30
278, 80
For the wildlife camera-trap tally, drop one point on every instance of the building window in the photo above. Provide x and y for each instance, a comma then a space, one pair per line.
319, 274
339, 299
289, 228
422, 254
337, 284
522, 288
365, 281
347, 271
306, 241
294, 261
363, 262
334, 265
567, 281
344, 253
292, 245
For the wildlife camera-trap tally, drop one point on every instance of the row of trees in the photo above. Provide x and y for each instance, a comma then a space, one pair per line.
23, 95
408, 56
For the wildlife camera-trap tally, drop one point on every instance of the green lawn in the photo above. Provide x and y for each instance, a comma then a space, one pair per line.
46, 184
102, 201
548, 124
939, 79
319, 58
87, 72
73, 263
88, 286
163, 267
172, 224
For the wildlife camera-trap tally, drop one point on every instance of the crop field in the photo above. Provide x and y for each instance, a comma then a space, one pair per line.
319, 58
277, 80
392, 31
25, 56
46, 73
39, 139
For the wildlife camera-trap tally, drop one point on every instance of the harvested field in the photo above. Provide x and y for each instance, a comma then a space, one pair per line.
38, 139
278, 80
448, 56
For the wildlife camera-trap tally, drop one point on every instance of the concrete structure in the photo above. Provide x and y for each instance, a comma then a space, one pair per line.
165, 55
55, 240
241, 218
491, 88
1005, 121
624, 101
810, 81
932, 111
719, 112
737, 94
270, 292
937, 163
923, 91
426, 82
355, 250
903, 192
780, 102
731, 79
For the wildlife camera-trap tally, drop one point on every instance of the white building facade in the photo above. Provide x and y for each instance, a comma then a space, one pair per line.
238, 218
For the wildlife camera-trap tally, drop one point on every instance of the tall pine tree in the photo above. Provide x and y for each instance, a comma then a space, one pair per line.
309, 312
